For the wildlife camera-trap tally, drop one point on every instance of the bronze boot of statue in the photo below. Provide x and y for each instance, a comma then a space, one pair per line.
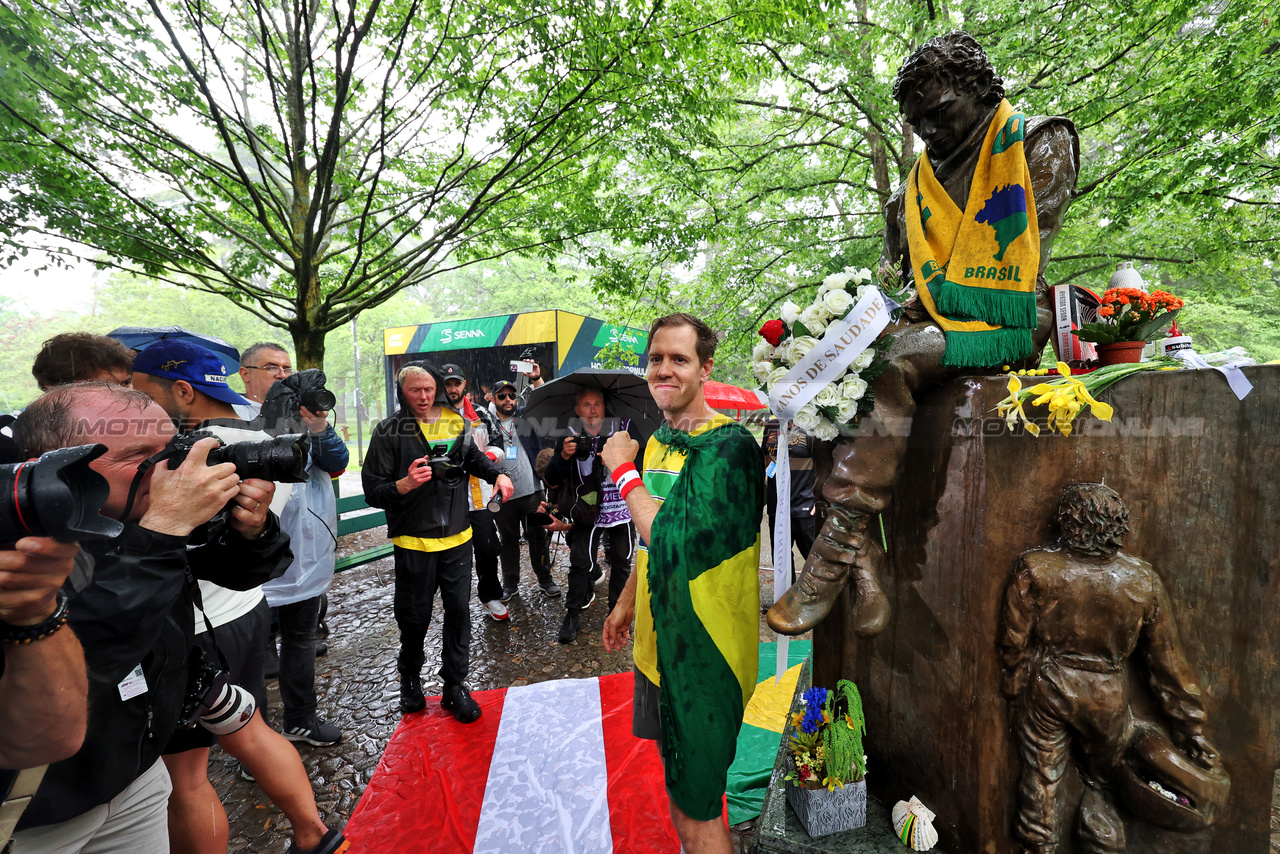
841, 550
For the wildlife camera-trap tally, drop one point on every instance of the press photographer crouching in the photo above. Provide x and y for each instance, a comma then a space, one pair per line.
417, 469
132, 609
190, 383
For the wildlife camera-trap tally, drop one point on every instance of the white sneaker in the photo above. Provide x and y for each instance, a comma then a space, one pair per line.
497, 610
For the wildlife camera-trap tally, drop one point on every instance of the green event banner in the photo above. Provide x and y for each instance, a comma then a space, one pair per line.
463, 334
632, 339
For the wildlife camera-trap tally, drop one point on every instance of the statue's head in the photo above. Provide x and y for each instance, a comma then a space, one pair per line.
1093, 520
944, 88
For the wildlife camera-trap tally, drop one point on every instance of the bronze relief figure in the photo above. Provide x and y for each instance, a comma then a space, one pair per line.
1084, 625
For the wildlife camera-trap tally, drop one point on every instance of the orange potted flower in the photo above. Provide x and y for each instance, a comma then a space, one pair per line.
1127, 319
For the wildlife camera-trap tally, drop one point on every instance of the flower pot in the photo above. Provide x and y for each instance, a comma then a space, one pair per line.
822, 812
1121, 352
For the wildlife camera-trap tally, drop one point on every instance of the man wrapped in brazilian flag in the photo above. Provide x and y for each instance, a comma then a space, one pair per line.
971, 227
695, 593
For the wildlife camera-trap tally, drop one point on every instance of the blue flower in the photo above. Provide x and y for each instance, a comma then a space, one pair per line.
815, 700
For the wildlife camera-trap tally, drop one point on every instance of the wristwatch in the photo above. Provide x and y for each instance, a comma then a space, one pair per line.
17, 635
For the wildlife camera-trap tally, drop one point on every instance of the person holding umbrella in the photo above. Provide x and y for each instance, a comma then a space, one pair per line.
596, 513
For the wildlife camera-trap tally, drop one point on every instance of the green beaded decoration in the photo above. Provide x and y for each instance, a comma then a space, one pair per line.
842, 743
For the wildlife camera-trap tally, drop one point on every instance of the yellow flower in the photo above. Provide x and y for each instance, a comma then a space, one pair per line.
1011, 408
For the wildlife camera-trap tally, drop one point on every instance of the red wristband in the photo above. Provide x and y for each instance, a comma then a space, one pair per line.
621, 471
630, 484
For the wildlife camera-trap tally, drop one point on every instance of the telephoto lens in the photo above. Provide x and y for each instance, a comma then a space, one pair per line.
56, 496
282, 459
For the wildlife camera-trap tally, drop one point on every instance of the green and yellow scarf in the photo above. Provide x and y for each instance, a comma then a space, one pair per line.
704, 593
975, 270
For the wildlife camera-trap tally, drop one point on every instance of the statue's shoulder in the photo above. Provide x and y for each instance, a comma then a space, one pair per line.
1040, 124
1039, 560
1052, 133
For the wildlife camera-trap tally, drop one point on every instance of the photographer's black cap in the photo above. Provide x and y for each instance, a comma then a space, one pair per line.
452, 372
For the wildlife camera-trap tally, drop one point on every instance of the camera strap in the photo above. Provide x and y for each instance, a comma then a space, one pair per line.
146, 466
193, 585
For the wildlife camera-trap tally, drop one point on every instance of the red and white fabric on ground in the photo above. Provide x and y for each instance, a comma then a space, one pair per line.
551, 767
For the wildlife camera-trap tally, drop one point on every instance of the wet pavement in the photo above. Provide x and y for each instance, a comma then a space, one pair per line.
358, 689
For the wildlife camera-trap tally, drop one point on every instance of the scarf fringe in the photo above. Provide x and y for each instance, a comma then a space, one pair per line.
997, 307
991, 348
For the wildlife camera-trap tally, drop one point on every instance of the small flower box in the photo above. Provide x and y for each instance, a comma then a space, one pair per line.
823, 812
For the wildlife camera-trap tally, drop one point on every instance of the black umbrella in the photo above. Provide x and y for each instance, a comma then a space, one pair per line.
626, 395
142, 337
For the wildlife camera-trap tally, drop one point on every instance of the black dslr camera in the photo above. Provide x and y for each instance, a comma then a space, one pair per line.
56, 496
280, 408
444, 467
587, 446
282, 459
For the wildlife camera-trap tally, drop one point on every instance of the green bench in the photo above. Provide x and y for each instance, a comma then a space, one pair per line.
352, 519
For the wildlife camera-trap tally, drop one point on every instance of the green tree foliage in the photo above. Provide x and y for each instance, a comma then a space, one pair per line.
1175, 102
310, 160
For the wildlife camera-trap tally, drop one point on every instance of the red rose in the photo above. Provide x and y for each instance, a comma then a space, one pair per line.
774, 331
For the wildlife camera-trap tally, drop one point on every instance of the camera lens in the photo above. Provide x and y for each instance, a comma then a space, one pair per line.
585, 448
56, 496
282, 459
318, 399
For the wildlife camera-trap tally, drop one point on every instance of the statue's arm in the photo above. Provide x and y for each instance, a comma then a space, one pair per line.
1018, 626
1053, 159
1173, 682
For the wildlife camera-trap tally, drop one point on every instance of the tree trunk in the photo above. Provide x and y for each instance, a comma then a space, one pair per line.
308, 346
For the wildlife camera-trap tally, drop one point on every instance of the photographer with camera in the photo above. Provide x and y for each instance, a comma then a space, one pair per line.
521, 446
416, 469
311, 520
189, 383
591, 509
132, 609
485, 544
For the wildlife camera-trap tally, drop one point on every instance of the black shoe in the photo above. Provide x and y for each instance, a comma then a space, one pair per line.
411, 697
457, 699
246, 774
331, 843
569, 628
315, 732
507, 593
322, 629
596, 575
322, 649
592, 599
550, 589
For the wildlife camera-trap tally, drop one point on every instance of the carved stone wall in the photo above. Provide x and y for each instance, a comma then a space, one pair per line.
1200, 473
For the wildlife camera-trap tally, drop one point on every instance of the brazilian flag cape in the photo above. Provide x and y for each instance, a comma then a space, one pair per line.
704, 586
975, 270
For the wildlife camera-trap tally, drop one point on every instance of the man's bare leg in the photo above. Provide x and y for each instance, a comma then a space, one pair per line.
276, 765
701, 837
197, 821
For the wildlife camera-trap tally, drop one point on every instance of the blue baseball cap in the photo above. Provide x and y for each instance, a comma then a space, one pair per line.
180, 360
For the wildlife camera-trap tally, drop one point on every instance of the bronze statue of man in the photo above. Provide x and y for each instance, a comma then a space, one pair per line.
990, 193
1078, 618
